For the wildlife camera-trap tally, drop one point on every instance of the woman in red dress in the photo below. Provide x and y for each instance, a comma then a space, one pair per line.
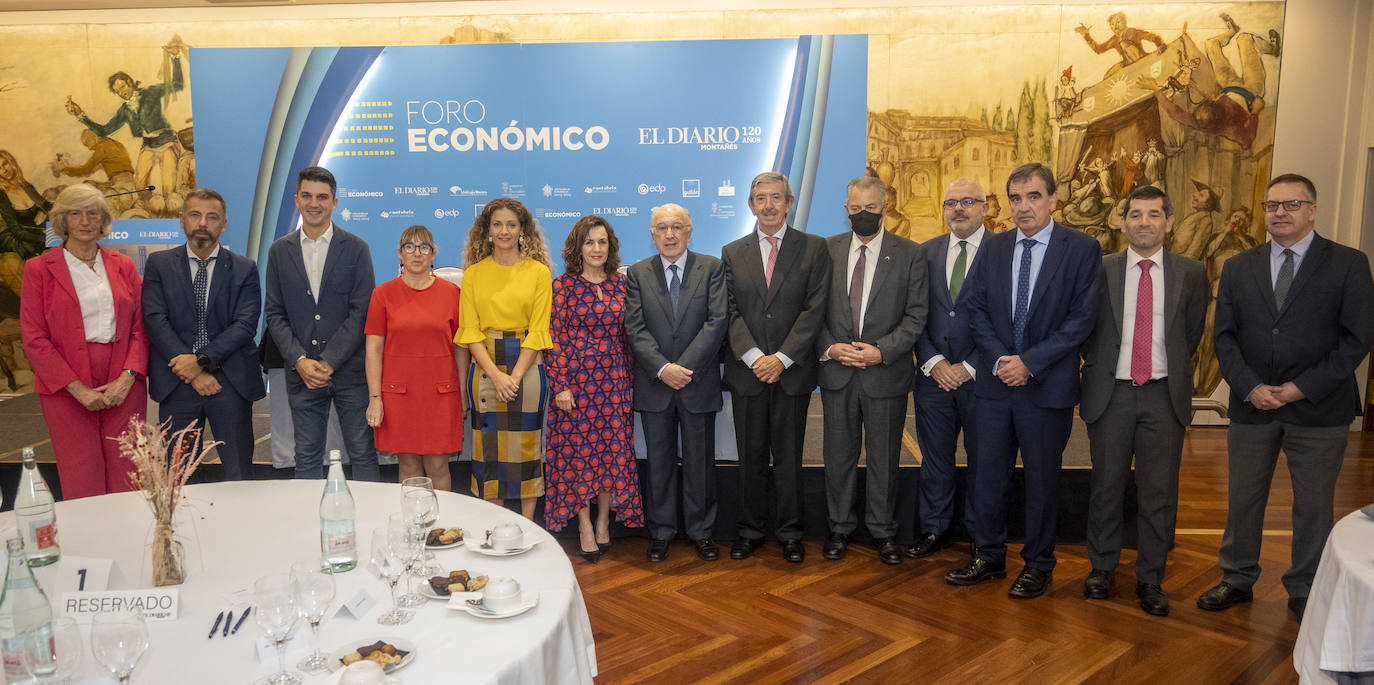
415, 374
590, 425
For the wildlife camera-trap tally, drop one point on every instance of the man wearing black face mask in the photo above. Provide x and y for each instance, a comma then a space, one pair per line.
877, 309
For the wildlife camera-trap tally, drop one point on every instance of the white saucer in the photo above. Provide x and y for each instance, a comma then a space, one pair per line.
473, 545
528, 600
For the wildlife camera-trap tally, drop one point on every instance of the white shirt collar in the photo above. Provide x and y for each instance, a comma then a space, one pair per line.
1042, 236
1299, 248
324, 238
191, 256
763, 237
1132, 258
974, 239
874, 246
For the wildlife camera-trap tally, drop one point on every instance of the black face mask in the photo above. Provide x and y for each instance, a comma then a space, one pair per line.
865, 223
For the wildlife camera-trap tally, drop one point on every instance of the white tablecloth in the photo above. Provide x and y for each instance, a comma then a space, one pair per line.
245, 530
1337, 633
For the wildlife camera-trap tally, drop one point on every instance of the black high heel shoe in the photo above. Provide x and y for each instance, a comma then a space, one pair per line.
592, 556
603, 547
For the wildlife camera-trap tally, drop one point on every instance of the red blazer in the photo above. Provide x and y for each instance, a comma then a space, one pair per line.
55, 337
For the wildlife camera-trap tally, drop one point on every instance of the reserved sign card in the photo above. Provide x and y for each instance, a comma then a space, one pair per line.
158, 604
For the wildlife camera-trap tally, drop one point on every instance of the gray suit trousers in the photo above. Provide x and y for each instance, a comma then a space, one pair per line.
1314, 456
853, 418
1138, 422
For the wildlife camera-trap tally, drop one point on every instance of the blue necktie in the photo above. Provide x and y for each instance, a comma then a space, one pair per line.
200, 290
674, 287
1018, 321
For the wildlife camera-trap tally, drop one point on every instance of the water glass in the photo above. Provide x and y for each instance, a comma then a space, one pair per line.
275, 611
64, 661
118, 641
312, 587
390, 563
401, 535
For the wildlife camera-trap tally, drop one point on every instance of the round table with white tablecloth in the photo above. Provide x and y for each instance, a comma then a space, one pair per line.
1337, 634
240, 531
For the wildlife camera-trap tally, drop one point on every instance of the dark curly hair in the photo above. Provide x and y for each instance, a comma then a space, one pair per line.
572, 250
532, 245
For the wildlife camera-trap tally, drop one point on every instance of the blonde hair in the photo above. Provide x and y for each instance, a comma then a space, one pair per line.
532, 245
78, 197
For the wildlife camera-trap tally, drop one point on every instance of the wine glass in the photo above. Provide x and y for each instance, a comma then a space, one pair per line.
313, 589
390, 563
401, 535
422, 484
421, 509
118, 641
274, 610
54, 657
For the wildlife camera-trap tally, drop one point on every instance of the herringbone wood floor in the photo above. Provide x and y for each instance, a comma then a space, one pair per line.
764, 620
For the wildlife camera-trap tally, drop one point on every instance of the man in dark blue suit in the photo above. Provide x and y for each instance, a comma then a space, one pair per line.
201, 304
948, 362
1033, 304
319, 282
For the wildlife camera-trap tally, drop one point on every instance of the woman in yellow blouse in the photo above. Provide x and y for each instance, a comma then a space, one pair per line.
507, 292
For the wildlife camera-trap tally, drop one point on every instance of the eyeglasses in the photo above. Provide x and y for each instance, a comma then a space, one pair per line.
775, 198
675, 228
88, 214
412, 248
1289, 205
965, 201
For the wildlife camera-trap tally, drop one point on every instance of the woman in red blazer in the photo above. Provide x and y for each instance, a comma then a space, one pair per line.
82, 323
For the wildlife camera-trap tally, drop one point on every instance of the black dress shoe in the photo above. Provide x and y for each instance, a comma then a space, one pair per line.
888, 551
658, 550
1153, 601
1099, 584
706, 549
927, 544
976, 571
1031, 583
592, 556
1297, 605
744, 547
603, 547
793, 551
835, 546
1223, 596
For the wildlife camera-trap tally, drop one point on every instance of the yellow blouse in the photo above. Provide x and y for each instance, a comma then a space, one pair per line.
506, 298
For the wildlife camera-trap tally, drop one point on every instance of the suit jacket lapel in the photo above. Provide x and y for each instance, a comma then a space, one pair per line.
57, 266
1115, 268
790, 251
224, 271
1316, 253
331, 257
294, 258
182, 278
1259, 270
839, 255
939, 255
1054, 256
1173, 288
691, 281
664, 301
882, 269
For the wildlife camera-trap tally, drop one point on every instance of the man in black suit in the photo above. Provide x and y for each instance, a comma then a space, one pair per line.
1292, 323
877, 309
947, 361
1137, 393
778, 279
1033, 303
319, 282
677, 311
201, 304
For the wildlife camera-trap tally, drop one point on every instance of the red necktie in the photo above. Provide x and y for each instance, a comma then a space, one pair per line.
1142, 342
772, 259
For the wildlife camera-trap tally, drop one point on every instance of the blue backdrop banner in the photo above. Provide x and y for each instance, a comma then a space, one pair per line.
427, 135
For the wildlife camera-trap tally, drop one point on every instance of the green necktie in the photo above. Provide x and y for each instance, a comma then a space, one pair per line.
956, 280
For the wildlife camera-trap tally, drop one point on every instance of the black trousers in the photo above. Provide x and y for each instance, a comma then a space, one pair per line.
694, 488
770, 423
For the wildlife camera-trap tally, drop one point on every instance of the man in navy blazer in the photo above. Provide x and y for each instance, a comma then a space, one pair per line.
319, 283
947, 362
677, 312
1033, 304
201, 304
1292, 324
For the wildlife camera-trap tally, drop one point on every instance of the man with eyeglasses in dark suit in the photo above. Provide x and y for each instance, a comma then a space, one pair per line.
1293, 322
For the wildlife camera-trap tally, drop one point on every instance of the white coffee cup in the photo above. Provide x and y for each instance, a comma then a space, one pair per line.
501, 595
506, 536
366, 673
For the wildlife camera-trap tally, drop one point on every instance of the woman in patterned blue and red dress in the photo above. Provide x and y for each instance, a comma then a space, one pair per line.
590, 423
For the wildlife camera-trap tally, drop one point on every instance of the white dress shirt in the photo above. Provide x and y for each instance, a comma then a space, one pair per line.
1042, 239
1159, 365
314, 252
753, 354
875, 247
971, 248
210, 267
94, 295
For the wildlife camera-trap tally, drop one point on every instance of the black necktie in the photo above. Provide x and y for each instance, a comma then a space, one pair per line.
1285, 278
201, 290
1018, 322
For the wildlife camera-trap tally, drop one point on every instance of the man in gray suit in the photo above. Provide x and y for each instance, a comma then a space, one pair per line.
676, 313
1293, 323
778, 280
877, 310
1137, 393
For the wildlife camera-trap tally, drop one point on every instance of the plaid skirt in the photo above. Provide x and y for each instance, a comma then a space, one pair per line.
508, 449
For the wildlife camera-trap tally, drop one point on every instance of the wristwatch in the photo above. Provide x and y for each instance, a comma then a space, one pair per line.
204, 361
131, 372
